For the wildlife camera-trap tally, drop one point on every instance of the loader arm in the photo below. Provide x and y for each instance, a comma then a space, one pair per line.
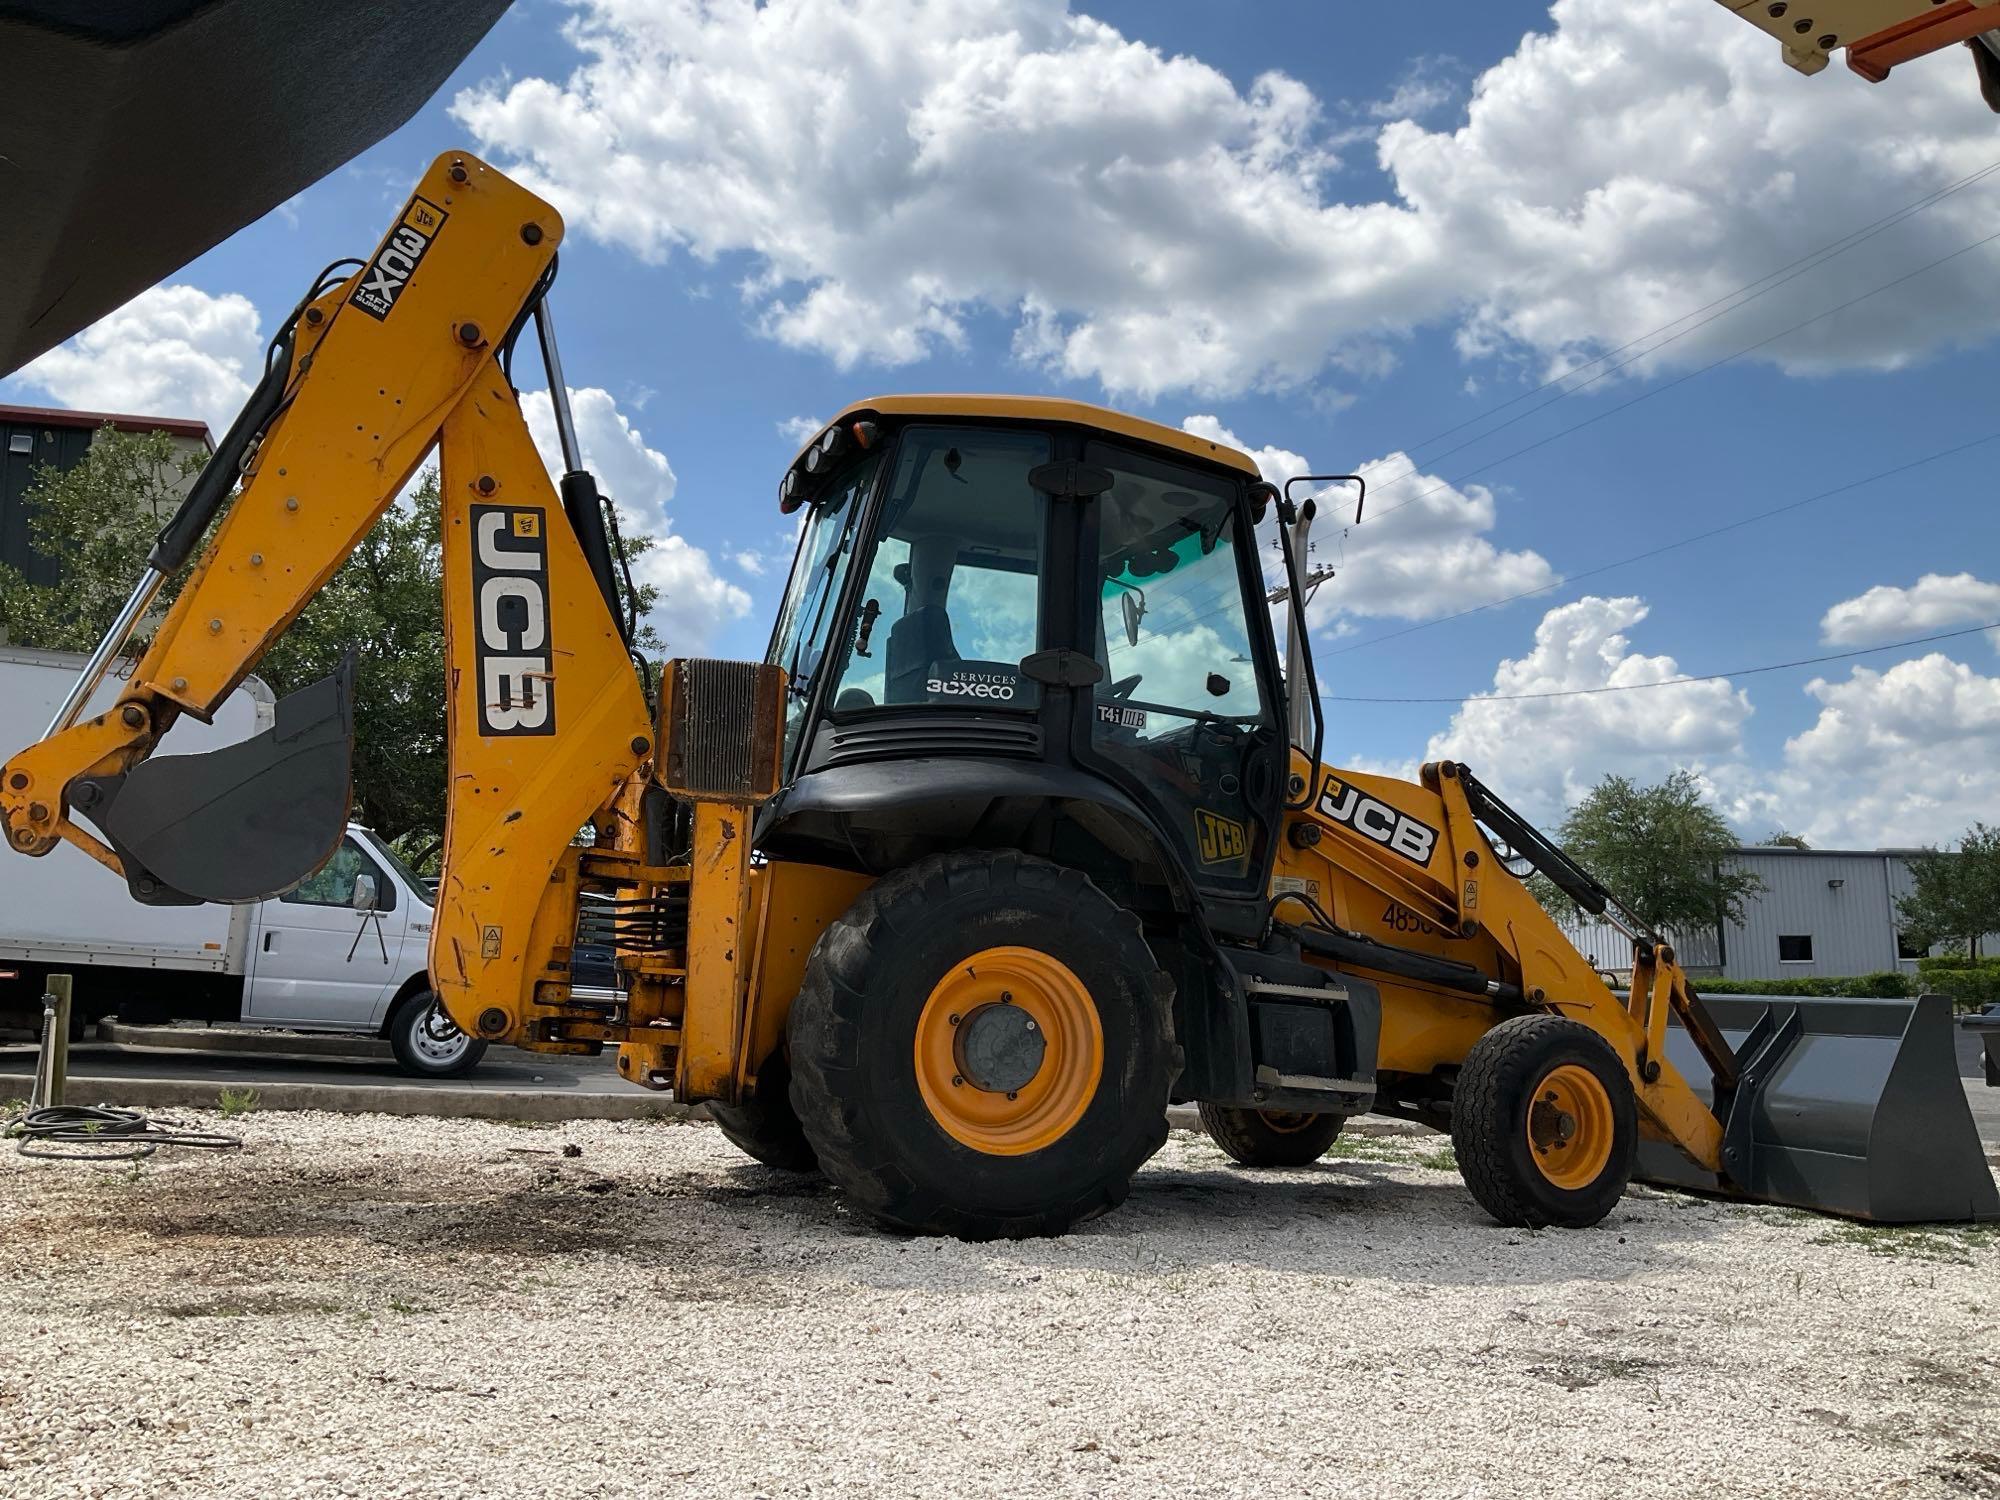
1880, 34
547, 720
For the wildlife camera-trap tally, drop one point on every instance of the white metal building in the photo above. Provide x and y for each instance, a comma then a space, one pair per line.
1824, 913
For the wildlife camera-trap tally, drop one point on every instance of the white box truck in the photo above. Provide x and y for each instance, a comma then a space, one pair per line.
346, 951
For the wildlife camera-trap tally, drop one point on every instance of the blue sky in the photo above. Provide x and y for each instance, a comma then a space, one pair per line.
1334, 230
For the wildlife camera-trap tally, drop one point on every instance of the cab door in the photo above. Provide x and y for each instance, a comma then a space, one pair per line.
328, 953
1183, 717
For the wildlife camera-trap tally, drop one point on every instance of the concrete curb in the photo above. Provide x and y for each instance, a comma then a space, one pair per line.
229, 1039
362, 1098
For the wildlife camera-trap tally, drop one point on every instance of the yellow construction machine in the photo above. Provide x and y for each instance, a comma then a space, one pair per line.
1019, 833
1879, 35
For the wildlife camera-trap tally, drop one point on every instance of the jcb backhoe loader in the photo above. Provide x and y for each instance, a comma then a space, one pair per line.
1019, 833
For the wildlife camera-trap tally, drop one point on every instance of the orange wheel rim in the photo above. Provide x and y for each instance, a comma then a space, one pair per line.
1285, 1121
1009, 1051
1570, 1127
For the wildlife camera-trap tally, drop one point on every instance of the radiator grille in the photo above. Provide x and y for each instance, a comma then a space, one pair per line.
723, 731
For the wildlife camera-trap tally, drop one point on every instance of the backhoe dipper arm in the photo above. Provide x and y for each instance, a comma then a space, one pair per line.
546, 718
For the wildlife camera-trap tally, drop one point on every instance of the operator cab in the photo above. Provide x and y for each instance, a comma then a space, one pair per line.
1007, 581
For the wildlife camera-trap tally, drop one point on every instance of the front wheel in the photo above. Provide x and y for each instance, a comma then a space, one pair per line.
1544, 1123
428, 1043
982, 1047
764, 1126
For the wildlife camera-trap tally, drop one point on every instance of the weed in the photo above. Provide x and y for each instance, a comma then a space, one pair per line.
1444, 1159
1951, 1244
404, 1305
233, 1103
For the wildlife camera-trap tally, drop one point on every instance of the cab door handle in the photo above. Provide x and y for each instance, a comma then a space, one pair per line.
270, 942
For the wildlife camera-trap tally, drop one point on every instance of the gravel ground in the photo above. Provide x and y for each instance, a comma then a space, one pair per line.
367, 1306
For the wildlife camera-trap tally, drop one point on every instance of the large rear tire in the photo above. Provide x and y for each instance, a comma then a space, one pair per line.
765, 1126
982, 1047
1270, 1137
1544, 1123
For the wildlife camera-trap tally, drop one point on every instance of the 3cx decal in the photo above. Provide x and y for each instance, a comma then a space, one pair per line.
1222, 841
961, 682
510, 606
1378, 821
396, 262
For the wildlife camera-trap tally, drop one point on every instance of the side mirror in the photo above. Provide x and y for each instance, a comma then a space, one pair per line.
364, 895
1132, 605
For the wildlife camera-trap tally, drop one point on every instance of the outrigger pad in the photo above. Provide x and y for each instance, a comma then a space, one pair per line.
1861, 1112
243, 823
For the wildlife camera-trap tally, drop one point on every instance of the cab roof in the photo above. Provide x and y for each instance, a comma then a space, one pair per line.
1050, 409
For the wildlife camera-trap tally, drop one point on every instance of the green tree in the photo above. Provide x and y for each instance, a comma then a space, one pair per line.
97, 519
1956, 895
1779, 838
1662, 850
387, 601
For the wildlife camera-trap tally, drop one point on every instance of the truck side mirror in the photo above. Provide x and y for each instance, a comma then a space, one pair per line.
364, 895
1132, 605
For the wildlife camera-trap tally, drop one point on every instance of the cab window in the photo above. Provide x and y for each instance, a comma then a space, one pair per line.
950, 603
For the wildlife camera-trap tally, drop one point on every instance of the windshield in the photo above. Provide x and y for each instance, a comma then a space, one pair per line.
417, 884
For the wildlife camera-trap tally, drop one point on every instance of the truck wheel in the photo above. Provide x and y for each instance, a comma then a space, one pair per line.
427, 1042
1270, 1137
983, 1047
1544, 1123
765, 1126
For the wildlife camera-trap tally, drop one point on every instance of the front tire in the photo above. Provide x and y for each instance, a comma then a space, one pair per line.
1270, 1137
427, 1042
982, 1047
1544, 1123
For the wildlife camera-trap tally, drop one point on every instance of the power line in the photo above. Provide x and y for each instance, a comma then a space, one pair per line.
1664, 547
1635, 687
1819, 257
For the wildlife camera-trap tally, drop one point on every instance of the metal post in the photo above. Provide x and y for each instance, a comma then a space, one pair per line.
52, 1062
114, 640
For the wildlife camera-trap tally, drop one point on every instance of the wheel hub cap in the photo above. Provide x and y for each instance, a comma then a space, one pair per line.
1570, 1127
1000, 1048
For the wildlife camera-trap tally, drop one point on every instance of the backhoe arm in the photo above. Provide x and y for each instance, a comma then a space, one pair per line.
547, 719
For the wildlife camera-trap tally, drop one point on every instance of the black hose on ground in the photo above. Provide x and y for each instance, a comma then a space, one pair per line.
101, 1133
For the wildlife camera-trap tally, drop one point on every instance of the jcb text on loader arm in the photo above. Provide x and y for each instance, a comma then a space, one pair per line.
1019, 833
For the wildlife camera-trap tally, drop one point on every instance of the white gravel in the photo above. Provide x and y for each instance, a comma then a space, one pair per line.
366, 1306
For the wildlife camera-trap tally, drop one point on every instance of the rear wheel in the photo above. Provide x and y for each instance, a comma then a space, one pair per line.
982, 1047
1544, 1123
427, 1042
765, 1126
1270, 1137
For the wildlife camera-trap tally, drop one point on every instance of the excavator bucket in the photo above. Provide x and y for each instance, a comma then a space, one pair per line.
243, 823
1850, 1107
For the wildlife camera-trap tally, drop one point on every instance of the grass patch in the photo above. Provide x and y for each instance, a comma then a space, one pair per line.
235, 1103
1947, 1244
1443, 1159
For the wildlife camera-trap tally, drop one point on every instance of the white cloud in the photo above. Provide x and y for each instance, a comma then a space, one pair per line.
795, 430
1427, 85
1896, 757
750, 561
172, 351
1543, 754
1423, 554
895, 168
1936, 602
695, 602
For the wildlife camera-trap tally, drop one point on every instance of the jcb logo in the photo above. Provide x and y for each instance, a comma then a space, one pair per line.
396, 262
1222, 840
510, 557
1378, 821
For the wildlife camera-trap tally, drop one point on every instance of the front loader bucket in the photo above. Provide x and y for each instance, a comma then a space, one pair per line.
243, 823
1858, 1111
